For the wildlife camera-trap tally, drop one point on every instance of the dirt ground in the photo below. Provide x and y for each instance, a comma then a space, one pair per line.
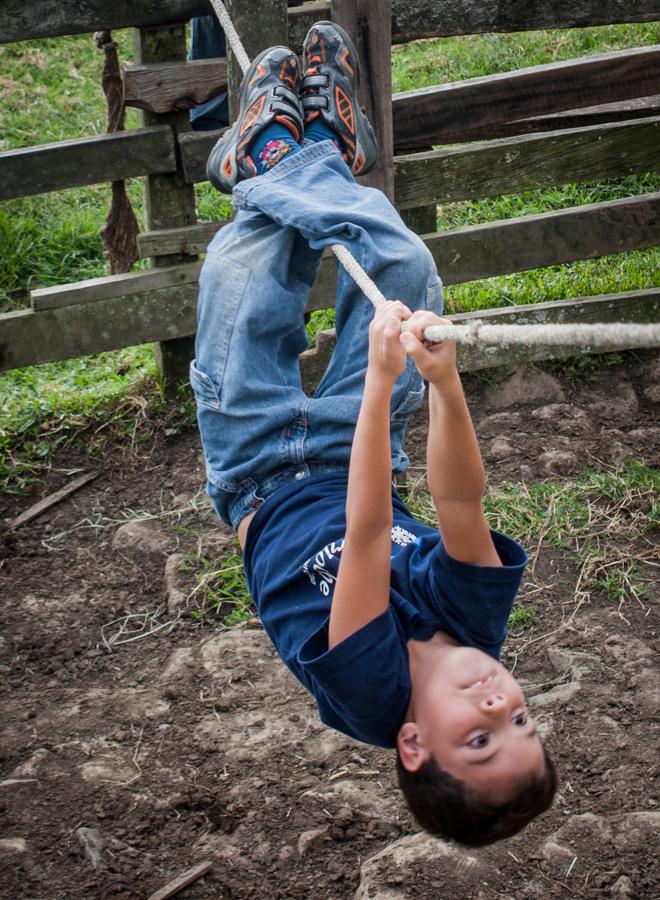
123, 767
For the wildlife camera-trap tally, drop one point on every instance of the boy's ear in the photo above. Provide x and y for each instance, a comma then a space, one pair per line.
412, 752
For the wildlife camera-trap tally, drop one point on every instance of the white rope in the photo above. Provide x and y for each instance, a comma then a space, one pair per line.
359, 276
232, 35
566, 334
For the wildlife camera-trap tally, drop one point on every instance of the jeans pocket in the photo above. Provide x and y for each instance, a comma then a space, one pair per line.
225, 484
205, 391
435, 296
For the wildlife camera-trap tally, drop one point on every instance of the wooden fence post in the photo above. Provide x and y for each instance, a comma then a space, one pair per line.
421, 219
260, 24
169, 201
369, 23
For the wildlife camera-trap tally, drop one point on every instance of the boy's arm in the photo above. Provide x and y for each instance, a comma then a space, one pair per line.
456, 476
362, 589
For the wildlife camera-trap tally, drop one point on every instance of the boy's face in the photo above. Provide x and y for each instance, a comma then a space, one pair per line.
470, 714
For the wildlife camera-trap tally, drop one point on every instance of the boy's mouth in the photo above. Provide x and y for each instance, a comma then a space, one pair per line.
482, 682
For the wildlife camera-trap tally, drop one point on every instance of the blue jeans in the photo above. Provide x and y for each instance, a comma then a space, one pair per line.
259, 429
208, 42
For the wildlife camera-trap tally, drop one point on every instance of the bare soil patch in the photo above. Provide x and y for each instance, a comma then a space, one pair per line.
123, 768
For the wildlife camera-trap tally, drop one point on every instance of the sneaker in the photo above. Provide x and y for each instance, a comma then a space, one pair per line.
329, 90
269, 93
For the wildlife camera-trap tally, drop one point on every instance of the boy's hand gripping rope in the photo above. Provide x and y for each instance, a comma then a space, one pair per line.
568, 334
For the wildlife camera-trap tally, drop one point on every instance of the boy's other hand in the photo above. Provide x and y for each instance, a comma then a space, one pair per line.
436, 362
387, 356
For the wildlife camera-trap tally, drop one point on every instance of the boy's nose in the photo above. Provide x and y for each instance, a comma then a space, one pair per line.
493, 703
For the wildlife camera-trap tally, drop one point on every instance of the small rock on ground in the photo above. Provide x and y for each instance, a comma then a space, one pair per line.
13, 845
501, 447
526, 386
562, 693
175, 594
310, 839
142, 537
558, 462
451, 864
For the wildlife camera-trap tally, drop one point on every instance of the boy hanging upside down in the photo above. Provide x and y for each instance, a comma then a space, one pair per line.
395, 627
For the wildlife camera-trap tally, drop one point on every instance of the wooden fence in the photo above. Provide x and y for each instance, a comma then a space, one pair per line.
580, 120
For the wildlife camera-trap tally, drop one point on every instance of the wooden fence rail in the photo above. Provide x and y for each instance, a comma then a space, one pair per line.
503, 166
91, 160
118, 311
470, 253
434, 115
511, 165
411, 19
172, 86
27, 337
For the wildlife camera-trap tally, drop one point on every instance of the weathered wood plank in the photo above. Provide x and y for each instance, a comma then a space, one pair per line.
411, 19
622, 111
109, 287
437, 114
465, 254
414, 19
533, 161
169, 201
501, 166
483, 251
172, 86
632, 306
369, 23
548, 239
28, 338
191, 240
195, 150
91, 160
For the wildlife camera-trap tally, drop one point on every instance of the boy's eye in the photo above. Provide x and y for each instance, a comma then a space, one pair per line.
520, 718
481, 740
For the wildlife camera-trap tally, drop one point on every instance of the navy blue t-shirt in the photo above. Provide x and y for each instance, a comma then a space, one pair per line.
362, 686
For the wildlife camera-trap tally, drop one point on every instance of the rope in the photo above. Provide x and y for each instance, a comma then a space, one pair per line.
119, 234
566, 334
232, 35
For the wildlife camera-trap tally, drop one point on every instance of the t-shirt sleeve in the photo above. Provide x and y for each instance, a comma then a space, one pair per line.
363, 681
476, 601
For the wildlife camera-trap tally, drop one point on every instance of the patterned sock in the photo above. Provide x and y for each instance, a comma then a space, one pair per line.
271, 146
317, 131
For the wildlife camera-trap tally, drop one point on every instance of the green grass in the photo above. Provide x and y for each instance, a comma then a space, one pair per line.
221, 596
111, 399
600, 518
522, 618
51, 91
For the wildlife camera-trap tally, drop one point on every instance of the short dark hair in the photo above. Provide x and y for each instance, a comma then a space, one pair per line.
447, 808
